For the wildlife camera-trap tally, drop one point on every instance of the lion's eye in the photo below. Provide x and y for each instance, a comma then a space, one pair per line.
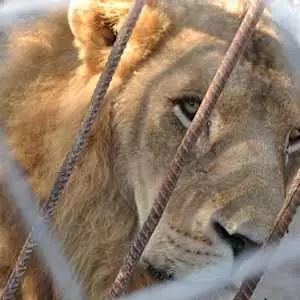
292, 144
186, 106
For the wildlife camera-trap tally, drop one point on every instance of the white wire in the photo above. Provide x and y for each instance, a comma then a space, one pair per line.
22, 196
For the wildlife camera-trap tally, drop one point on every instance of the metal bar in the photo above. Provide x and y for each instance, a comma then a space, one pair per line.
280, 227
77, 148
169, 182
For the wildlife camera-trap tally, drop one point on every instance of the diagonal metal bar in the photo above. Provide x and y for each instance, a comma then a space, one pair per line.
214, 91
25, 201
280, 227
77, 148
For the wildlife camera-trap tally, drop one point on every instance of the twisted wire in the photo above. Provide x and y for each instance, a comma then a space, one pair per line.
169, 182
78, 146
280, 227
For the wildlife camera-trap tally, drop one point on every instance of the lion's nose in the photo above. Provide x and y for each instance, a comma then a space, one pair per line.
239, 243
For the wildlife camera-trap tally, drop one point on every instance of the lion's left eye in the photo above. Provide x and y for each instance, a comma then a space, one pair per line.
292, 144
186, 106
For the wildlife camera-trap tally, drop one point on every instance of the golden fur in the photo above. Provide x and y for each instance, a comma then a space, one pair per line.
236, 175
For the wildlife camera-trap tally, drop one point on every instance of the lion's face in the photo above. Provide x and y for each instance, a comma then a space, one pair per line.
234, 182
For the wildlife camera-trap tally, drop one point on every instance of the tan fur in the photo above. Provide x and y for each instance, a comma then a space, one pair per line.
235, 175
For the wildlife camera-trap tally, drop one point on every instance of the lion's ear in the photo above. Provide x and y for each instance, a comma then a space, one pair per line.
95, 24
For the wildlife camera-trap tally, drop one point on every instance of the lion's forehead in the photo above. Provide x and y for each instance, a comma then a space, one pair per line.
189, 60
208, 20
213, 15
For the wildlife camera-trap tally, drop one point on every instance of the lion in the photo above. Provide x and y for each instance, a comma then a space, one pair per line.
234, 182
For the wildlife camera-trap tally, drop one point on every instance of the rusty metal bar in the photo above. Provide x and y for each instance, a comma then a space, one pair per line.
77, 148
280, 227
169, 182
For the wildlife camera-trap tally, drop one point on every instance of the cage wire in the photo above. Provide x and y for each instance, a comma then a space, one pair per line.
287, 19
209, 101
49, 247
77, 149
